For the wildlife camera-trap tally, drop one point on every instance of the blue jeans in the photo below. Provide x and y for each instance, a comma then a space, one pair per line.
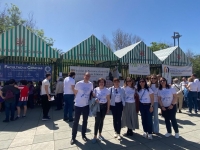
192, 99
146, 116
69, 104
10, 107
155, 118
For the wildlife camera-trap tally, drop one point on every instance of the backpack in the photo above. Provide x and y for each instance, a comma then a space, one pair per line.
9, 94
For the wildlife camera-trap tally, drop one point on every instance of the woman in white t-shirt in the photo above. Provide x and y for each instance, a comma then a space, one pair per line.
102, 95
146, 106
129, 114
167, 100
153, 84
192, 94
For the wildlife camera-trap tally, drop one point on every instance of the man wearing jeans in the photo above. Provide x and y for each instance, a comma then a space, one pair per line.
82, 90
8, 93
69, 84
45, 94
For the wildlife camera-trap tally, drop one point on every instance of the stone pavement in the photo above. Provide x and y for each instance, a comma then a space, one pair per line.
31, 133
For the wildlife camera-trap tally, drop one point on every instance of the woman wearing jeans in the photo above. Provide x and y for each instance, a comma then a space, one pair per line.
167, 100
192, 94
102, 95
154, 86
117, 102
146, 107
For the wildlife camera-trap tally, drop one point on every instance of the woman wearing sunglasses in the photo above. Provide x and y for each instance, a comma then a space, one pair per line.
167, 100
146, 107
116, 105
102, 95
129, 115
153, 84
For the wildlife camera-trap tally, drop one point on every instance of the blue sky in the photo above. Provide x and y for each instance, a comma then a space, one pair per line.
69, 22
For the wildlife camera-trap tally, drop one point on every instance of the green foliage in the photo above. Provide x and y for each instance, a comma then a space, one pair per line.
155, 46
10, 16
196, 64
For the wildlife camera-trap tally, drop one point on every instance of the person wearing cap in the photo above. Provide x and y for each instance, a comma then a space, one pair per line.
117, 102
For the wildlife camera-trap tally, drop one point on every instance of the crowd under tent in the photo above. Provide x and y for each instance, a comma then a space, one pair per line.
21, 46
89, 53
173, 56
138, 53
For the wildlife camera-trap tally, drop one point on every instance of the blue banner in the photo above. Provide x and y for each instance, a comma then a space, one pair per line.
23, 72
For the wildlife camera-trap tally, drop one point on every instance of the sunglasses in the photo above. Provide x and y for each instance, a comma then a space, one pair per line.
116, 91
129, 81
162, 80
142, 81
116, 81
153, 78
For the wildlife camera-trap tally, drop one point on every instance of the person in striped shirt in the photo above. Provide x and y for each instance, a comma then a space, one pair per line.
24, 90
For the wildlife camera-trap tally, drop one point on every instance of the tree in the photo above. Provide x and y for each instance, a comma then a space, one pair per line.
11, 16
120, 40
155, 46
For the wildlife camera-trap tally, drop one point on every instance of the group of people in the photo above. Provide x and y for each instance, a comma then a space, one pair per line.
124, 102
13, 96
142, 95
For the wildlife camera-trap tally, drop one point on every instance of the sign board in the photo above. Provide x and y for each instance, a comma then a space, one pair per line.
23, 72
95, 72
139, 69
177, 70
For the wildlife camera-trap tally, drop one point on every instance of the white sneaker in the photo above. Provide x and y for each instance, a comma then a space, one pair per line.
177, 135
168, 134
119, 137
144, 135
150, 136
115, 135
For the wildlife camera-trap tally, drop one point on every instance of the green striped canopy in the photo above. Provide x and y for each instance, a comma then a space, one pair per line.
137, 53
89, 50
19, 41
173, 56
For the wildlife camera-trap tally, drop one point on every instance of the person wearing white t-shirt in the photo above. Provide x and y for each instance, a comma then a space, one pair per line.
69, 84
192, 94
154, 86
183, 83
116, 104
194, 77
82, 91
129, 114
146, 97
167, 100
102, 96
45, 96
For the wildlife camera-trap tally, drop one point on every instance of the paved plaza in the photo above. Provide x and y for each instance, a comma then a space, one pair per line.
31, 133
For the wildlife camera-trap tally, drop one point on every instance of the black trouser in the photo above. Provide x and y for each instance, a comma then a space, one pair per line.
45, 105
78, 111
117, 115
31, 101
170, 115
100, 118
59, 100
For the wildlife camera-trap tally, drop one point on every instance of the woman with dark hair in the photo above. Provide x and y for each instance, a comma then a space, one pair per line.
129, 114
167, 100
153, 84
146, 107
102, 96
116, 104
59, 94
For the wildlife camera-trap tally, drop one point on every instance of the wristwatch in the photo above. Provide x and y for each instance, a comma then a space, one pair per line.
151, 105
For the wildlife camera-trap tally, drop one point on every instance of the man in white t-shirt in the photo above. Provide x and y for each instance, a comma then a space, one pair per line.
83, 90
45, 94
183, 83
194, 76
69, 84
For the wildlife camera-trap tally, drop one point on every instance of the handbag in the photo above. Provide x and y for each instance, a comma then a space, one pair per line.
178, 88
137, 102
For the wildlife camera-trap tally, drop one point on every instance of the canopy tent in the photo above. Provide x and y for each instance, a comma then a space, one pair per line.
91, 52
19, 45
137, 53
173, 56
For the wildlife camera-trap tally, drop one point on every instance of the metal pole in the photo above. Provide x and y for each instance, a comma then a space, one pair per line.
174, 39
